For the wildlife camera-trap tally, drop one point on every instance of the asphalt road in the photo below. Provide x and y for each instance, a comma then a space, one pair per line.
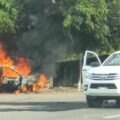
54, 106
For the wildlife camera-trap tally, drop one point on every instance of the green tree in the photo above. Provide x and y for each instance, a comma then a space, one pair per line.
86, 22
9, 11
114, 23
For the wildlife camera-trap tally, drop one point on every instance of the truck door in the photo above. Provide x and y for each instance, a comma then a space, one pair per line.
90, 60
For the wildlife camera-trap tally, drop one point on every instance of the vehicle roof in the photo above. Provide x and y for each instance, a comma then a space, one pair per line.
117, 52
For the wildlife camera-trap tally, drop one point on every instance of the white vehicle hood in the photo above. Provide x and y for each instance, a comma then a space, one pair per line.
105, 70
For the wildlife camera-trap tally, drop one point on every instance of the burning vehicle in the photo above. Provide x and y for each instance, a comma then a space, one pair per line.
16, 75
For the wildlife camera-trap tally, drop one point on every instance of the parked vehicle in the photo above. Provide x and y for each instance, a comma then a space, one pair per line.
101, 81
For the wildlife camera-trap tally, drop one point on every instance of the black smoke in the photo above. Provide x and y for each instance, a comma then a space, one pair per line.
40, 37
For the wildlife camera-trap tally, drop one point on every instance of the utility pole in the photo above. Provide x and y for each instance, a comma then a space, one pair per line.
80, 73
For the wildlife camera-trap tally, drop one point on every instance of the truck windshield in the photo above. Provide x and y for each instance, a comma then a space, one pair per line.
113, 60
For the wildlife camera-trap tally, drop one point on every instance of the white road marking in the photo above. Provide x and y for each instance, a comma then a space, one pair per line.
109, 117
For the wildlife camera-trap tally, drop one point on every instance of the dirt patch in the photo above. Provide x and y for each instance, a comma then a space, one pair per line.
64, 89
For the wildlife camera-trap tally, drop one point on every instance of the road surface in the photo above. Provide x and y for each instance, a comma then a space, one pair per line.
54, 106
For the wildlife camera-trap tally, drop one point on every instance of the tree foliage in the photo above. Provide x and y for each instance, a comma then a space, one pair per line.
95, 21
114, 23
9, 11
87, 17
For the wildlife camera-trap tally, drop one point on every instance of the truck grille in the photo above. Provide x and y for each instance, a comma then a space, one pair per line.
111, 76
109, 86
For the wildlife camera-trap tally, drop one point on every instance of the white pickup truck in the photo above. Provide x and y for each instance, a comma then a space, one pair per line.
101, 81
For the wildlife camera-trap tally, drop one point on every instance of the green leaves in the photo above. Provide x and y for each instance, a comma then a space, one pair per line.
86, 12
114, 23
9, 10
87, 17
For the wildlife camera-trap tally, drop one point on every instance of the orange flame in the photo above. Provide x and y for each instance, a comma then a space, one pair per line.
42, 80
9, 72
4, 58
42, 84
22, 66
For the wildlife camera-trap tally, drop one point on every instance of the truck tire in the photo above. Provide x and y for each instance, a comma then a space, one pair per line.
94, 101
118, 103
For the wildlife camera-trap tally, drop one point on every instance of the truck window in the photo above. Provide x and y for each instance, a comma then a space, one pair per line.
91, 58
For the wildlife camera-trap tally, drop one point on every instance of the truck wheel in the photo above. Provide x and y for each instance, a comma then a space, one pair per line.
118, 103
94, 101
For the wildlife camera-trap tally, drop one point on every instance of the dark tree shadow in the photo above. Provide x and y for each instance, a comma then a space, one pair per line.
49, 106
42, 106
